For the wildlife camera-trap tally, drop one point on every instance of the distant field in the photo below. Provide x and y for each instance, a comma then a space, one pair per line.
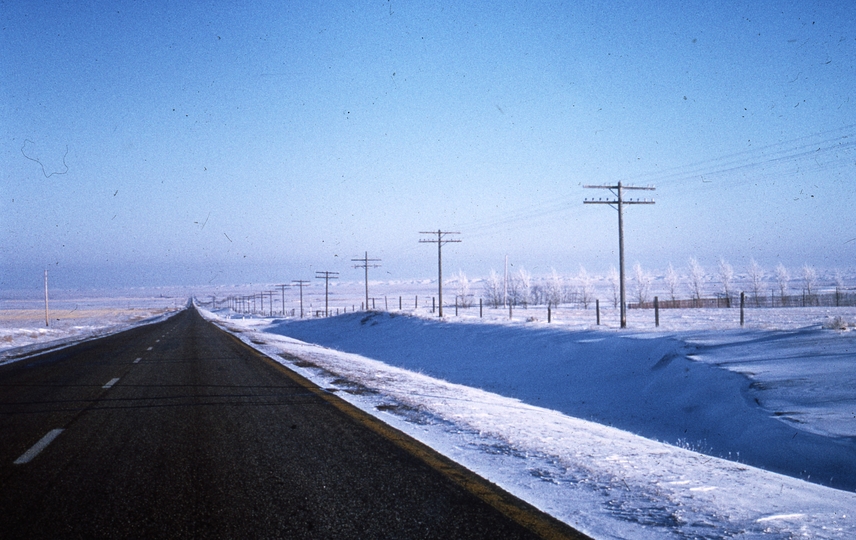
22, 321
27, 315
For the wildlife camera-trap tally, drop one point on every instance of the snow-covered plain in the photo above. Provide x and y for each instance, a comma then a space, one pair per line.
75, 316
696, 429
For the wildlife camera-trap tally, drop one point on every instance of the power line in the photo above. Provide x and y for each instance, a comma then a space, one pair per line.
282, 290
326, 276
439, 241
300, 283
365, 260
270, 296
618, 203
798, 150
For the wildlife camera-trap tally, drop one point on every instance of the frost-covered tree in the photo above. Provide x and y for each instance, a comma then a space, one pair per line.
465, 297
672, 280
839, 286
493, 289
538, 294
554, 288
782, 279
524, 286
643, 283
513, 291
696, 278
809, 279
613, 278
756, 278
585, 290
726, 275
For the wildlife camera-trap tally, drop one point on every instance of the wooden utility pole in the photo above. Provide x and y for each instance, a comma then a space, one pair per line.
439, 241
300, 283
270, 297
282, 290
365, 260
618, 203
47, 311
326, 276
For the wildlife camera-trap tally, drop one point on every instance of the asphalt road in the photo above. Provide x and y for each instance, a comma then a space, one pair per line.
177, 430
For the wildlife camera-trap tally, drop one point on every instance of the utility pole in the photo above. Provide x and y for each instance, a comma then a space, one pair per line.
47, 311
282, 290
327, 276
439, 241
618, 203
365, 260
300, 283
270, 297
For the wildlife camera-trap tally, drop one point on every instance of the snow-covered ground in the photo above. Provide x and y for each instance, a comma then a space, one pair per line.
75, 316
696, 429
568, 416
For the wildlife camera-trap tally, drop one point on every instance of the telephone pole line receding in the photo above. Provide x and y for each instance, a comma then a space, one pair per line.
326, 276
365, 260
439, 241
618, 203
300, 283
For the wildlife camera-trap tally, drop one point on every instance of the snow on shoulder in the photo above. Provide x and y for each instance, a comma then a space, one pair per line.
570, 420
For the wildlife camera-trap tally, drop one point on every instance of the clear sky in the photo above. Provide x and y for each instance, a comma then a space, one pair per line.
183, 143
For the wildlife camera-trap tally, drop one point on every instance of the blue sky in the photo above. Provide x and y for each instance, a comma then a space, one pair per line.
204, 143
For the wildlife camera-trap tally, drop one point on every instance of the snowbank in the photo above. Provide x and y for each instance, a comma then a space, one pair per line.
529, 407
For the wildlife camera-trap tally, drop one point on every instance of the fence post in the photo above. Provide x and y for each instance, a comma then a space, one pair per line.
416, 302
742, 306
657, 311
549, 312
385, 303
480, 308
456, 306
433, 303
399, 303
597, 309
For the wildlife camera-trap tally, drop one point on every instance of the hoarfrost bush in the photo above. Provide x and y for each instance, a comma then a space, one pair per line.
643, 283
726, 274
837, 323
782, 278
696, 278
613, 279
672, 280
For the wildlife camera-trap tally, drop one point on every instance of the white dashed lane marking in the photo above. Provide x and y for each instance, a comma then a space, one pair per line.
137, 361
150, 348
111, 383
28, 456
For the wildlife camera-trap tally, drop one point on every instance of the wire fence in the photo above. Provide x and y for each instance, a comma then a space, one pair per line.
827, 299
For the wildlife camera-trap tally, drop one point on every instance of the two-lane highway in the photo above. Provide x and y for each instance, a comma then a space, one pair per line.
178, 430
